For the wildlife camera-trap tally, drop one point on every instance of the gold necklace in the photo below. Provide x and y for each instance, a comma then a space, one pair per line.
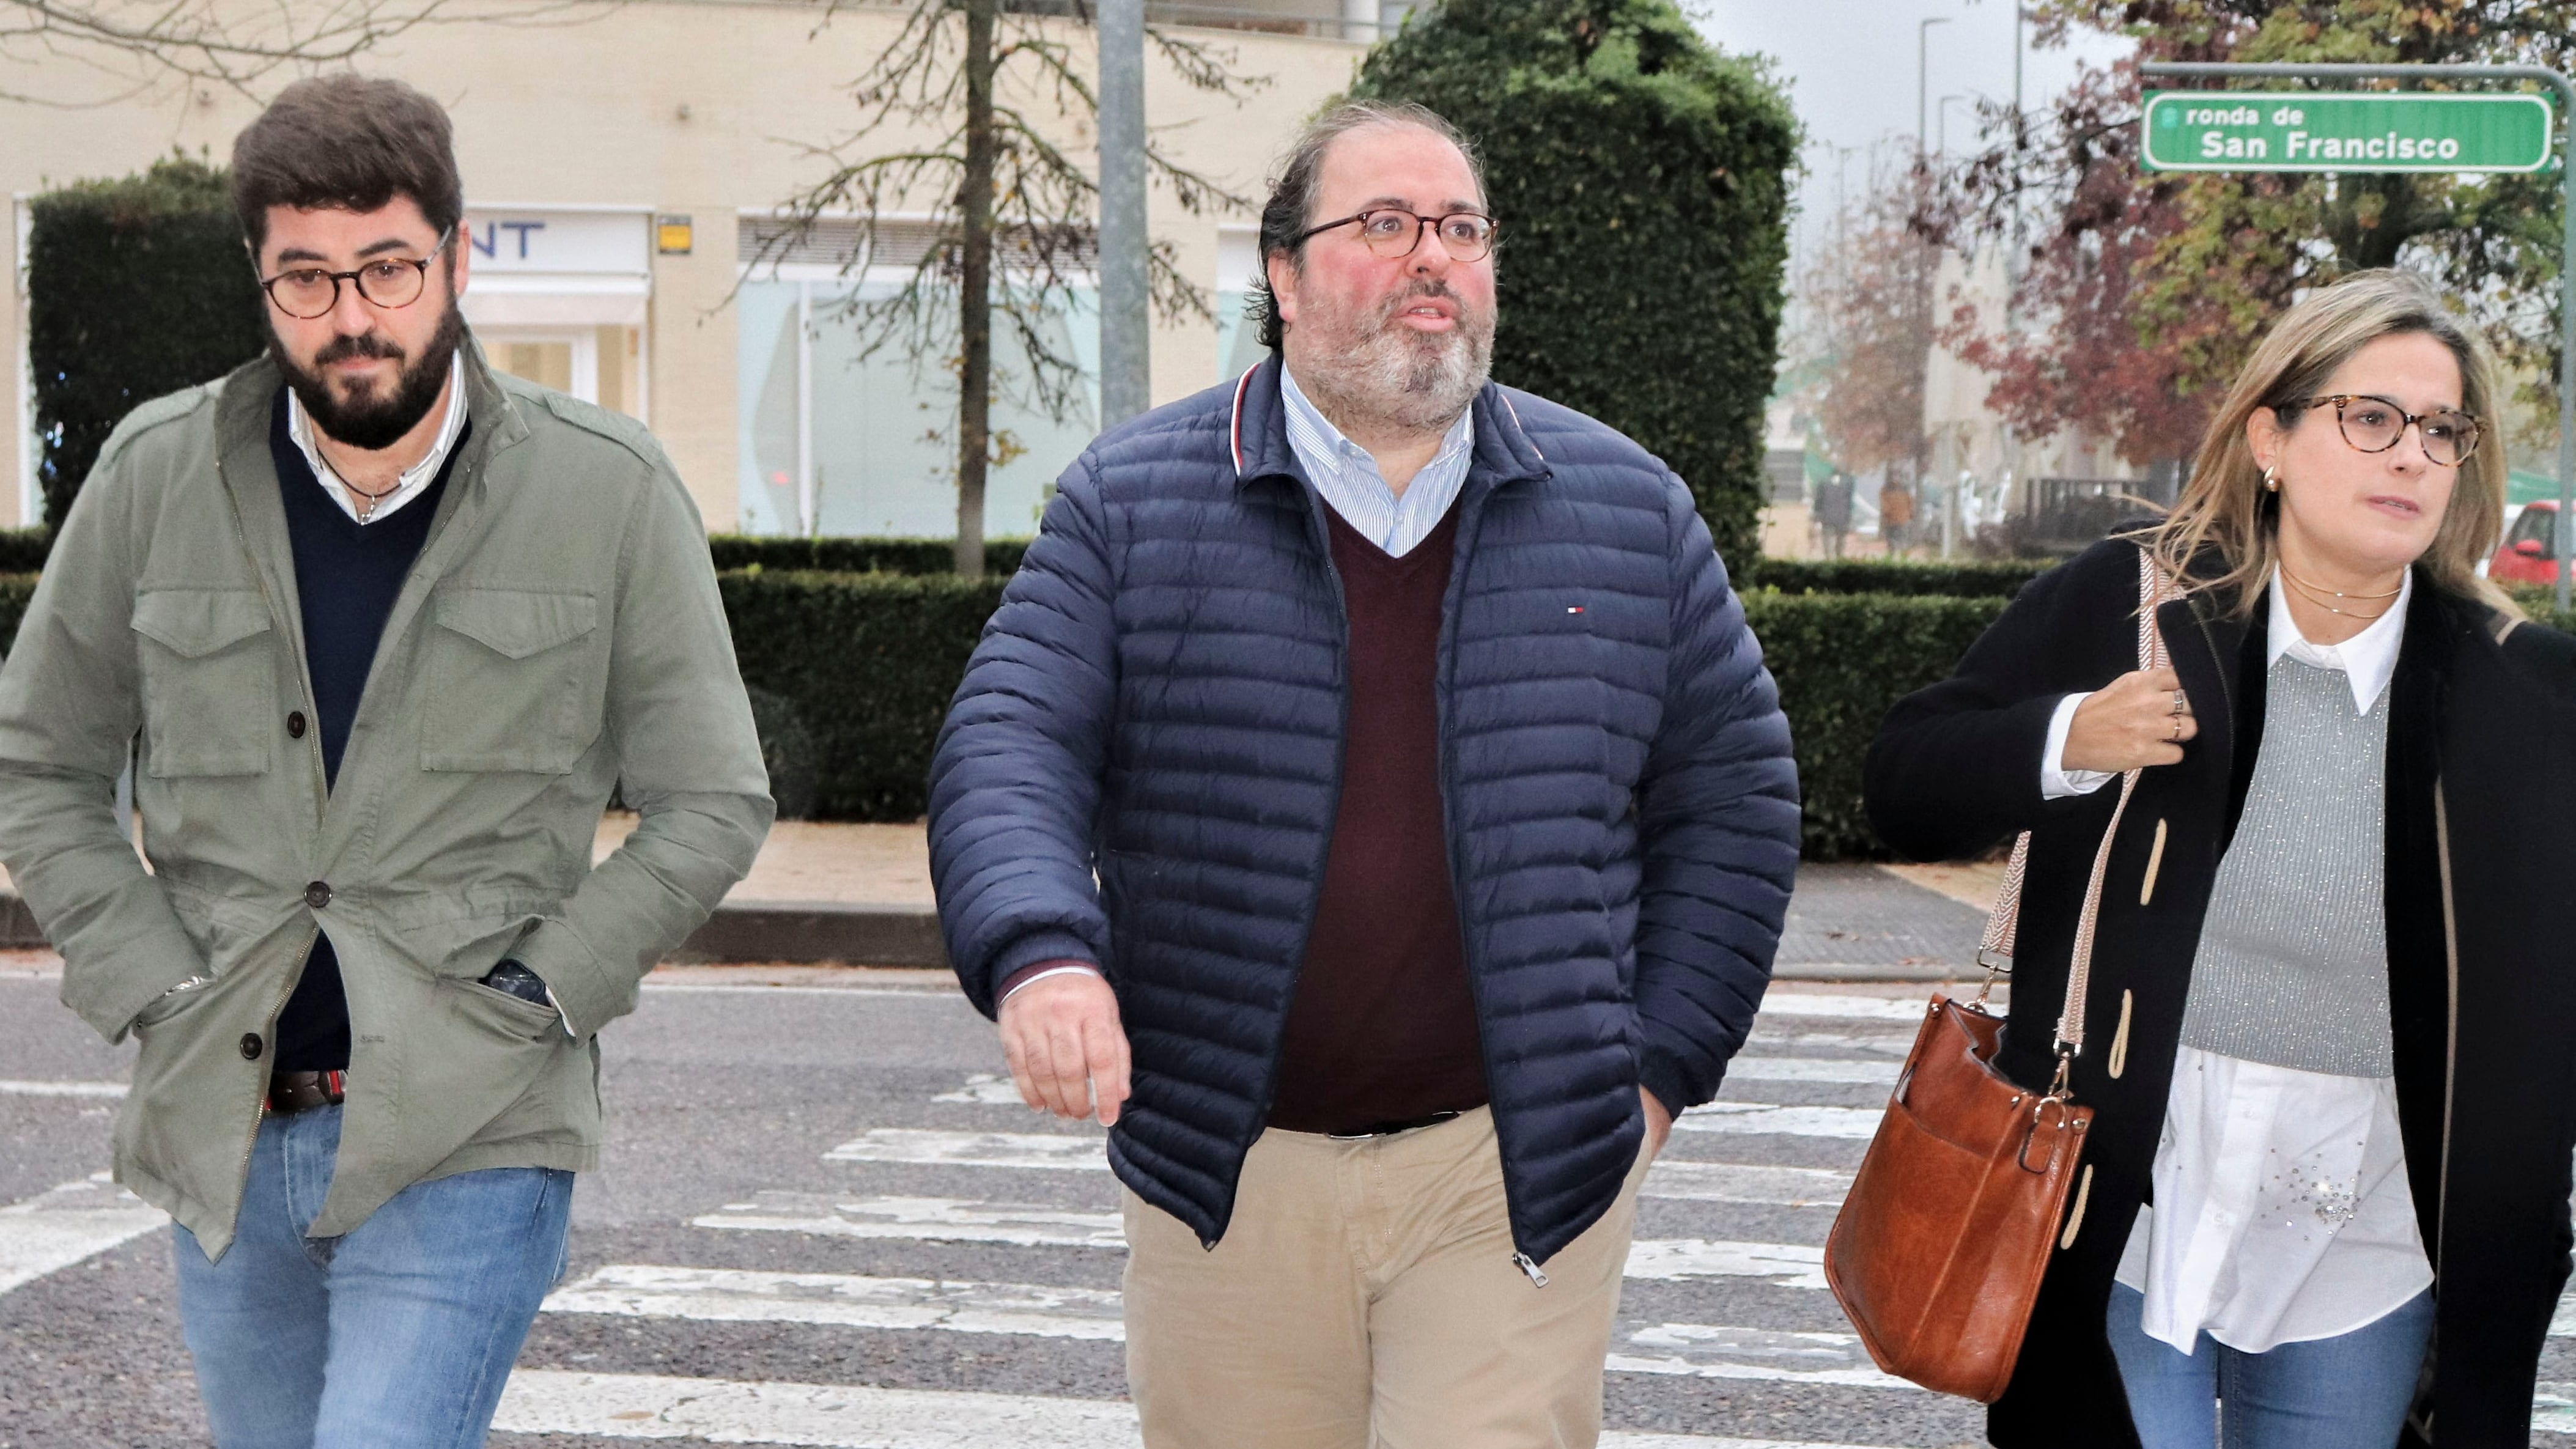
2318, 596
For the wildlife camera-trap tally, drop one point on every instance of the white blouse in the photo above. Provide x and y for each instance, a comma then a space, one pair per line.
2285, 1213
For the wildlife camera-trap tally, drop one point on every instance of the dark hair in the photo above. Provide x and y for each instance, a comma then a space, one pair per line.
347, 141
1292, 194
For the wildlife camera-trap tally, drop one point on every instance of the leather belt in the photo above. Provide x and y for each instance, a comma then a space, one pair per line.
290, 1092
1389, 1129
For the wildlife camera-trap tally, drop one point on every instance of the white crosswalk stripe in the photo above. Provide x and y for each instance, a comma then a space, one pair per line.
920, 1219
1043, 1151
103, 1090
851, 1301
826, 1416
55, 1229
1678, 1178
1772, 1119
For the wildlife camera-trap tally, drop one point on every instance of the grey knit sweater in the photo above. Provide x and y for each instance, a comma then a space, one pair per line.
2293, 961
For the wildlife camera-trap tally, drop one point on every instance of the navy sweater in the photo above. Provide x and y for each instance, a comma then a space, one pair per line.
347, 576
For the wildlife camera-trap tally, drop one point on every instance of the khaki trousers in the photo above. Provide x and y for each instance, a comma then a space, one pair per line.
1364, 1297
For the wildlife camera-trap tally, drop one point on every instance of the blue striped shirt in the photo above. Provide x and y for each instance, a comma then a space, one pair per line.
1348, 477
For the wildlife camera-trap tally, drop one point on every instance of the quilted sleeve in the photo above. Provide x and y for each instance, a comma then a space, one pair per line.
1015, 777
1718, 825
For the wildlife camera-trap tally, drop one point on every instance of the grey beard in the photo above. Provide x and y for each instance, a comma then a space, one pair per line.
1414, 382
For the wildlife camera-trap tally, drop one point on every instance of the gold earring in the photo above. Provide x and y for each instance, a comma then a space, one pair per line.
2272, 479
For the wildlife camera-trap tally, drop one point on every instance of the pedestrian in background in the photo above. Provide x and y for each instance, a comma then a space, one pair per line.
2331, 970
379, 629
1442, 820
1895, 518
1833, 514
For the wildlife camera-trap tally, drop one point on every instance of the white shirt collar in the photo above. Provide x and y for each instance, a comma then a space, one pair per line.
1346, 474
415, 479
2368, 659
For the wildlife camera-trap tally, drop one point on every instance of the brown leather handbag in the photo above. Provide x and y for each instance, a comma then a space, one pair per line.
1939, 1249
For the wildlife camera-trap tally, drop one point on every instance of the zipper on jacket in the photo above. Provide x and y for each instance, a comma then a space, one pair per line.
1470, 526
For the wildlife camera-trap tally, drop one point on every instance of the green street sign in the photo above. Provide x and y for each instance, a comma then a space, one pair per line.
2348, 131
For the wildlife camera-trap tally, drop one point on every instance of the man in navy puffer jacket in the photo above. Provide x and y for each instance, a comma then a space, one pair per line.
1369, 802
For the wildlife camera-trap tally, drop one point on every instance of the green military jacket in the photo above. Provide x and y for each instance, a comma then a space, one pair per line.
559, 634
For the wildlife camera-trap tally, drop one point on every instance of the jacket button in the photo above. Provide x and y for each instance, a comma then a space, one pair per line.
295, 725
250, 1046
318, 894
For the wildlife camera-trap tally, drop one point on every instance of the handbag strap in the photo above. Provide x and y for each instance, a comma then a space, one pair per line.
1995, 951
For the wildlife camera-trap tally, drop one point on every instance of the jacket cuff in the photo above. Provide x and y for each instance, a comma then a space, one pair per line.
586, 994
1658, 1073
1029, 973
1039, 948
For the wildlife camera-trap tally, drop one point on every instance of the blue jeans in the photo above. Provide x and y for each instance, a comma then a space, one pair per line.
2346, 1392
398, 1335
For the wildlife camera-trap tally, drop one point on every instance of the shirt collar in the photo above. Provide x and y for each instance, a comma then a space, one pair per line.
299, 429
2368, 659
1323, 438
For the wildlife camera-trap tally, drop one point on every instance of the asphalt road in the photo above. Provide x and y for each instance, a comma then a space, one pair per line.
821, 1222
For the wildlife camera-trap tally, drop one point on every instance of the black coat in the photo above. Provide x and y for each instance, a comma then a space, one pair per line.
2481, 807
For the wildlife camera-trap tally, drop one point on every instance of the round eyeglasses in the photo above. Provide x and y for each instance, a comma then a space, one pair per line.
310, 292
1392, 231
2376, 424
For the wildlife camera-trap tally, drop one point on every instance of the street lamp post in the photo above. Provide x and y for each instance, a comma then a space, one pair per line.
1923, 78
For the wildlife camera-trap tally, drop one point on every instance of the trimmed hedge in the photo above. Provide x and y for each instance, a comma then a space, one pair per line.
1881, 576
865, 664
1641, 180
135, 288
917, 556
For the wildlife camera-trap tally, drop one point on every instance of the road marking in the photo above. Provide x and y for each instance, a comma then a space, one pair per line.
2553, 1409
1047, 1151
717, 1295
1767, 1118
1857, 1008
642, 1406
53, 1230
954, 1220
2562, 1324
61, 1089
918, 993
1810, 1069
721, 1295
826, 1416
1702, 1350
1673, 1177
1789, 1265
984, 1089
921, 1219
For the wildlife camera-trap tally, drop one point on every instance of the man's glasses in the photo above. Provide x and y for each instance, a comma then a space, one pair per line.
1392, 231
310, 292
2377, 424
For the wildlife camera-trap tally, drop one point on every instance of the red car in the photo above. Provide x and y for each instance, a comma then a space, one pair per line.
2528, 554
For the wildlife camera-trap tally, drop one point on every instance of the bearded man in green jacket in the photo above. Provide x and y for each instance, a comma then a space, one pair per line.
378, 630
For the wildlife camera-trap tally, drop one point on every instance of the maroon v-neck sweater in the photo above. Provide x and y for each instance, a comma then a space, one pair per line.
1383, 1028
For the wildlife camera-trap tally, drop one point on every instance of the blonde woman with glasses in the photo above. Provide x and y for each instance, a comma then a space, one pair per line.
2332, 1017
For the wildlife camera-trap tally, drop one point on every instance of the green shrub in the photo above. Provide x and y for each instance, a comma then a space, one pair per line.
868, 661
857, 555
1841, 660
135, 288
1638, 175
1880, 576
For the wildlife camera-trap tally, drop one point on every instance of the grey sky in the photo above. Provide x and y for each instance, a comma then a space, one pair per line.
1850, 69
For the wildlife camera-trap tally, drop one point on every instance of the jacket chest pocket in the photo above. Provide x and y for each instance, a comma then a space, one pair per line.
208, 659
513, 681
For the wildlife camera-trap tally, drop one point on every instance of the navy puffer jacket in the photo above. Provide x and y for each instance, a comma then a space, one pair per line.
1160, 701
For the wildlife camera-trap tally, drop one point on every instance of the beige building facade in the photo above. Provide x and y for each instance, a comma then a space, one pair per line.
622, 167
